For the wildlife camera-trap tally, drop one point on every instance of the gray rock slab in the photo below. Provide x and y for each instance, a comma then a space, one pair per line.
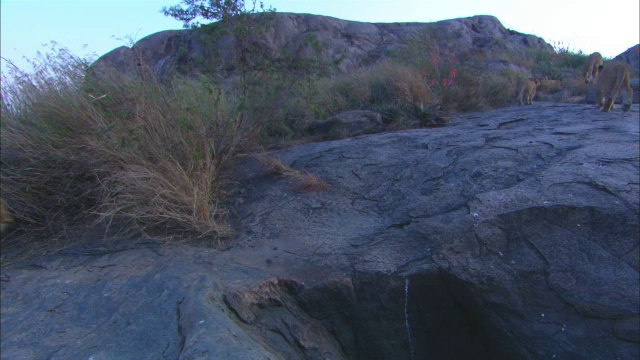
510, 233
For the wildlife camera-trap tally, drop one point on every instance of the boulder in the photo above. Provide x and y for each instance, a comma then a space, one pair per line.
347, 124
510, 234
562, 95
339, 44
631, 57
158, 52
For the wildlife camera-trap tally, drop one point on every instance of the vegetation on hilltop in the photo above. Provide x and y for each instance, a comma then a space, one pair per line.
156, 156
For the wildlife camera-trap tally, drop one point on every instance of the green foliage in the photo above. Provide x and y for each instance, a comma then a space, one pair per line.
553, 66
190, 10
418, 50
394, 90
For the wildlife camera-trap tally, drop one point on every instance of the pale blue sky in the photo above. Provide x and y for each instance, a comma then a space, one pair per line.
98, 26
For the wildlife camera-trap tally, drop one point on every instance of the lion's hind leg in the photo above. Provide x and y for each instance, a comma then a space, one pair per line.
627, 98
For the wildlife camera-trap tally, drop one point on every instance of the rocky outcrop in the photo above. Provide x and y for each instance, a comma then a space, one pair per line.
631, 57
157, 51
510, 234
344, 44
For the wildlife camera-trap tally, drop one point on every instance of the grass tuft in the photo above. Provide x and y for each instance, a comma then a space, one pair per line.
304, 182
77, 148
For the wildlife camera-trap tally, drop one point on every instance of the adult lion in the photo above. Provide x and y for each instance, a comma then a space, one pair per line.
592, 67
614, 78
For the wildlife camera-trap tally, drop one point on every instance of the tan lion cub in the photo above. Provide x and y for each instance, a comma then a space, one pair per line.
528, 91
614, 78
592, 67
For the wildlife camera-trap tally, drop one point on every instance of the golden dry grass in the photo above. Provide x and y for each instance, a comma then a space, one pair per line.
150, 154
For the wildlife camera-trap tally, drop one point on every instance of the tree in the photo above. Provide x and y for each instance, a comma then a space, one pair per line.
237, 21
189, 10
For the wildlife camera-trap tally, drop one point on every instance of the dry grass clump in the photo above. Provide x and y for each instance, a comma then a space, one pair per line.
476, 91
378, 87
304, 182
576, 86
46, 176
167, 162
549, 86
394, 82
77, 149
310, 183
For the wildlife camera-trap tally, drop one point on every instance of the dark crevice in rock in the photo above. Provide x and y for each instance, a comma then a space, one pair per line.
510, 122
425, 316
536, 249
399, 225
180, 333
448, 321
428, 315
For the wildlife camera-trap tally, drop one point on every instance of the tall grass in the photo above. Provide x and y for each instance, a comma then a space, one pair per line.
78, 148
46, 175
166, 162
397, 91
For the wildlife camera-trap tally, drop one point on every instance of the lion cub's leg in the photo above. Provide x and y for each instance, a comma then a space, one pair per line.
533, 87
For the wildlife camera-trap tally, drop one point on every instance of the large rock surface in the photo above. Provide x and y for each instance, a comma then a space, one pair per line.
510, 234
346, 44
631, 57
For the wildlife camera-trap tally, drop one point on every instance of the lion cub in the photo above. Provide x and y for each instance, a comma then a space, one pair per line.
528, 91
592, 67
614, 78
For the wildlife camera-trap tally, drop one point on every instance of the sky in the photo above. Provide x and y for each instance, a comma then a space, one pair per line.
90, 28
